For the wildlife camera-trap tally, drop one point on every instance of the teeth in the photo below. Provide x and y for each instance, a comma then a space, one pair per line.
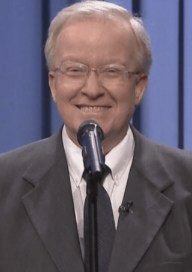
93, 108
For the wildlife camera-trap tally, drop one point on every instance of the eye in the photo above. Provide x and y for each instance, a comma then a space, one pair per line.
74, 71
111, 71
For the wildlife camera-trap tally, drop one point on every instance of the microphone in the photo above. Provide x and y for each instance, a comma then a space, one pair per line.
90, 137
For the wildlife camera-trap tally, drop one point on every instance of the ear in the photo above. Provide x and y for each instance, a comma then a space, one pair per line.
52, 85
140, 88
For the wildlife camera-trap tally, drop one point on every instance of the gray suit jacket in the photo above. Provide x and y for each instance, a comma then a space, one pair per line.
38, 231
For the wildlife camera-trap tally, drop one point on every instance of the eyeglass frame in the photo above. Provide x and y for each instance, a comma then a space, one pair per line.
97, 70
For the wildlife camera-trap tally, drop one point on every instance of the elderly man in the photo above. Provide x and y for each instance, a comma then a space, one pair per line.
99, 57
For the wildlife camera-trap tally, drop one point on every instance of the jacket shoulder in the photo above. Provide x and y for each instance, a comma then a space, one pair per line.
36, 151
156, 159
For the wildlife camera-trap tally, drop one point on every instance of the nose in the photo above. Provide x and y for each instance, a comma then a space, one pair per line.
92, 87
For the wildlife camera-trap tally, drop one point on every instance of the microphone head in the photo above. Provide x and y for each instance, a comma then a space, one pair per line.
86, 127
90, 137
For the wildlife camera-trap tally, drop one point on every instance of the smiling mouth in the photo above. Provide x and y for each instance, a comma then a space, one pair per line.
86, 108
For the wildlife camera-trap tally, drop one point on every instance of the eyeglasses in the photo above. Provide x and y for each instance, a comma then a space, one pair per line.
107, 74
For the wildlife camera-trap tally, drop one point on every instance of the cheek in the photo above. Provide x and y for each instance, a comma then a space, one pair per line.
59, 93
126, 98
60, 96
125, 105
63, 92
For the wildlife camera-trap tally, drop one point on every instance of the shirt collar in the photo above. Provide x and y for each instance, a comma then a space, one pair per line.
120, 156
117, 159
74, 158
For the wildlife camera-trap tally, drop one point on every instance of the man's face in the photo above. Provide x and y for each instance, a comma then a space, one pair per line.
97, 44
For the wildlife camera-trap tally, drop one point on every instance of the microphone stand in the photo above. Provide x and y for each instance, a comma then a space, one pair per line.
92, 224
92, 221
90, 136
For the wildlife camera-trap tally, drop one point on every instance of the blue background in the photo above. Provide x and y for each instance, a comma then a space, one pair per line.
27, 112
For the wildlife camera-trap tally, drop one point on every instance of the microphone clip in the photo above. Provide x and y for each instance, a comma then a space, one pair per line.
126, 207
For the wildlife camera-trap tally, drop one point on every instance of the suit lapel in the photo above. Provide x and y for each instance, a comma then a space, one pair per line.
137, 228
50, 207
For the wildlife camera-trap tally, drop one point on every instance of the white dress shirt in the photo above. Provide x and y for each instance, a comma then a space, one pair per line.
119, 159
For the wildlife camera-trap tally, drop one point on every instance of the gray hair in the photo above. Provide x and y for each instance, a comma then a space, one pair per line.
88, 10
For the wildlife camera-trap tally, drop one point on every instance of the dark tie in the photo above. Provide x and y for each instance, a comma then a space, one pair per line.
105, 227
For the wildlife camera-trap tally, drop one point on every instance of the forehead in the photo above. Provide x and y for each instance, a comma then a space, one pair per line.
118, 24
96, 43
99, 35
